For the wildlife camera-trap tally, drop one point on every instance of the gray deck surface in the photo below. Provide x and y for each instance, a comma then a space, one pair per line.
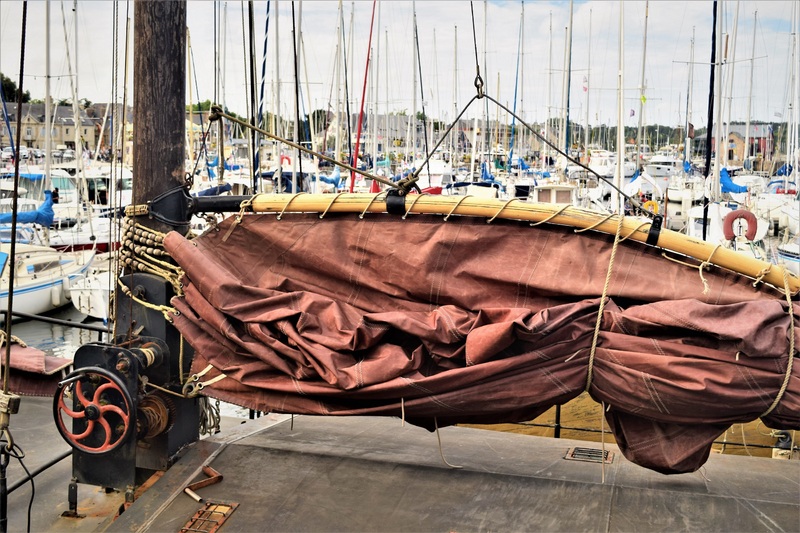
373, 474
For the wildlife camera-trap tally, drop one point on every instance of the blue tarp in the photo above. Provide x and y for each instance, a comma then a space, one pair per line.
334, 179
404, 174
785, 170
43, 215
488, 177
521, 163
211, 166
215, 191
727, 183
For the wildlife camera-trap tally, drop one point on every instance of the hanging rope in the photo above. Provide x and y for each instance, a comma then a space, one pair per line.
603, 298
790, 362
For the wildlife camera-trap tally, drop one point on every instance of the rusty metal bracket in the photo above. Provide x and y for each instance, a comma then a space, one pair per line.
213, 477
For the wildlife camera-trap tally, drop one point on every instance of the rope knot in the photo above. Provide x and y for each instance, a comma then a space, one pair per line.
215, 113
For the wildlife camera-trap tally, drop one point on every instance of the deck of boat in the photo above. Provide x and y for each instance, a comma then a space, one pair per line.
374, 474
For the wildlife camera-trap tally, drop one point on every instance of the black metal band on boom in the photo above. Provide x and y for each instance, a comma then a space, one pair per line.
395, 203
655, 230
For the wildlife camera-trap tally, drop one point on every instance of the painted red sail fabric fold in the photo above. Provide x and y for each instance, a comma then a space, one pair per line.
468, 322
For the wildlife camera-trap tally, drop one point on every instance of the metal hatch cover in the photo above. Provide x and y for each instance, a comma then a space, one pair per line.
210, 517
592, 455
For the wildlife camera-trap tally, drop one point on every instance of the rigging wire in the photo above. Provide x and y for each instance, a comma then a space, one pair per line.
260, 118
7, 450
422, 96
363, 98
346, 93
296, 71
252, 109
710, 125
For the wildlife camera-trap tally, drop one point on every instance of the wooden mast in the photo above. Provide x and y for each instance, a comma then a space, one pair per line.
158, 101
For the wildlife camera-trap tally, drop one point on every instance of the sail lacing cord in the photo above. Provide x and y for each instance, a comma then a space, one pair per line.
603, 299
704, 264
244, 206
193, 387
790, 361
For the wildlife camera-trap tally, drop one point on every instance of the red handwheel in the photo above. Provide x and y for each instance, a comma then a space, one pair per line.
103, 402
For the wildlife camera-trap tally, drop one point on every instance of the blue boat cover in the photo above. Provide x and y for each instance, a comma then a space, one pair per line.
215, 190
727, 183
43, 215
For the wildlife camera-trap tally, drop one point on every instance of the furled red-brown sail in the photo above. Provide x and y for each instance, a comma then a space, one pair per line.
468, 322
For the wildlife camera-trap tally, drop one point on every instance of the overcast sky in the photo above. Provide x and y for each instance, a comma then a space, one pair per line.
447, 49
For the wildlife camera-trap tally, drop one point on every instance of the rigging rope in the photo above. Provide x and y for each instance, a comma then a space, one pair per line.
602, 306
354, 160
15, 205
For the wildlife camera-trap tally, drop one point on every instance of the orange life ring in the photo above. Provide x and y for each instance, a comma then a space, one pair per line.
651, 205
286, 160
748, 216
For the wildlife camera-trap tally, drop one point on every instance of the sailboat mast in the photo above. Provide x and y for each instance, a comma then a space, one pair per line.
729, 81
48, 112
642, 97
715, 191
750, 94
568, 77
616, 200
338, 67
387, 137
524, 134
276, 113
549, 95
796, 100
254, 142
689, 134
516, 87
414, 91
455, 133
562, 130
710, 114
374, 70
588, 80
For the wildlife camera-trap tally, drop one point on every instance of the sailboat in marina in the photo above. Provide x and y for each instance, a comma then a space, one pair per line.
34, 275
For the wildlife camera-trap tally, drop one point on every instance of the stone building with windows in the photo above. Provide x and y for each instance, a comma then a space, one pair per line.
64, 133
761, 141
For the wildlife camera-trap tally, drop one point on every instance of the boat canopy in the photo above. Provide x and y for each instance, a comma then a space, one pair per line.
462, 321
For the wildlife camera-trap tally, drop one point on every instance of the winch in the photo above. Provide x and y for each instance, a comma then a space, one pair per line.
122, 409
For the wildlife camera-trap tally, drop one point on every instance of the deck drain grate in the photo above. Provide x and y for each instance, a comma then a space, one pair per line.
209, 518
592, 455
